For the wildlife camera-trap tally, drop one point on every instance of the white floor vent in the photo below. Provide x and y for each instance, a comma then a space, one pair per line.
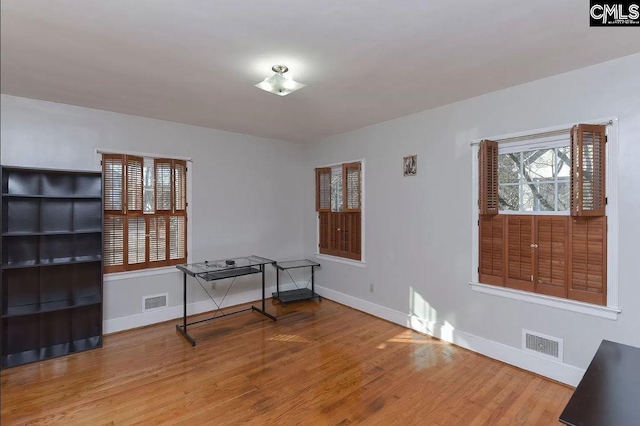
541, 344
155, 302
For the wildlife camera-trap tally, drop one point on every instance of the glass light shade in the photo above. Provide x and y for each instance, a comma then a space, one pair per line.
279, 85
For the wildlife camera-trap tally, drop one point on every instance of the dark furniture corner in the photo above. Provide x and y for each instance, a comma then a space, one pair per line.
609, 392
51, 299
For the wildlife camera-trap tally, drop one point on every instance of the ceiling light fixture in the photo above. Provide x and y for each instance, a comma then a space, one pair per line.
278, 84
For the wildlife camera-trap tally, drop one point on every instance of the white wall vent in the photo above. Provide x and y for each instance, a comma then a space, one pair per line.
155, 302
541, 344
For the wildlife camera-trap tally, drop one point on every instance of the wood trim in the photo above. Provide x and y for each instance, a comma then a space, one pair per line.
319, 172
488, 203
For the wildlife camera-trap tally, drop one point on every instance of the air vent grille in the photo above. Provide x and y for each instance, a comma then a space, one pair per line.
155, 302
541, 344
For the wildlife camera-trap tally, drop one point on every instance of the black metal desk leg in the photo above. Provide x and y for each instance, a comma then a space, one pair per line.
277, 281
183, 328
262, 268
184, 305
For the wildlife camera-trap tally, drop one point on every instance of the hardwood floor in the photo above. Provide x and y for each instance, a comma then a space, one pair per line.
320, 363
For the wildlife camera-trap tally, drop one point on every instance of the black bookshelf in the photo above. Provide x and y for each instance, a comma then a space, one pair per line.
51, 299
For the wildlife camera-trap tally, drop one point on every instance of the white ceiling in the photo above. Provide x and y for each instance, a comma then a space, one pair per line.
363, 61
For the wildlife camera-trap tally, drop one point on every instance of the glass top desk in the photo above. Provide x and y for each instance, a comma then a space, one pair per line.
299, 293
213, 270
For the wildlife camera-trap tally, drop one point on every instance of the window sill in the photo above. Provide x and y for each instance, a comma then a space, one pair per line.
358, 263
139, 274
555, 302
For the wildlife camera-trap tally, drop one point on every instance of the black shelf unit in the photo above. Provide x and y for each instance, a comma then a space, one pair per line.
298, 294
51, 299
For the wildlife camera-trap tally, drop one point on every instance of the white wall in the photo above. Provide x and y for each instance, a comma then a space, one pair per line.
246, 191
418, 229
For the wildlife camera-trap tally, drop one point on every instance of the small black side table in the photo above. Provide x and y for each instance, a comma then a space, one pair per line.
609, 392
299, 293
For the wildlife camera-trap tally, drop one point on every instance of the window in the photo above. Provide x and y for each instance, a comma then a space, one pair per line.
534, 180
338, 203
145, 217
542, 225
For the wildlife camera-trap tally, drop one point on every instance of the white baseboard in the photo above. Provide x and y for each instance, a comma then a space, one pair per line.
555, 370
160, 315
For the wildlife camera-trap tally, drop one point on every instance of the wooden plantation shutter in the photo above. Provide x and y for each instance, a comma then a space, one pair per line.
136, 242
136, 227
114, 243
180, 185
491, 238
135, 238
488, 178
588, 170
163, 173
588, 257
340, 232
323, 189
323, 234
134, 184
351, 187
177, 239
552, 237
323, 207
492, 230
519, 252
178, 219
113, 172
158, 241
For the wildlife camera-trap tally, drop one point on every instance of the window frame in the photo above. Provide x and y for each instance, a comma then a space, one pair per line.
158, 270
359, 263
611, 309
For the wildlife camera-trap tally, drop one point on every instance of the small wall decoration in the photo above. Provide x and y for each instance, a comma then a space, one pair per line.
411, 165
